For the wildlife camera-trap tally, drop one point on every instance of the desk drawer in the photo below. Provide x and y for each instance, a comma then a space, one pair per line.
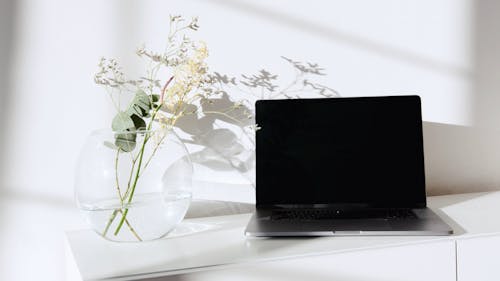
478, 259
427, 261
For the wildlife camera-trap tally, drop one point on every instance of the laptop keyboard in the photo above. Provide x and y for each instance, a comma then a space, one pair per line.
328, 214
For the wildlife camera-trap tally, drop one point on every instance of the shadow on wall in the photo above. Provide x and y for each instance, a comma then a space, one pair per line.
467, 159
7, 13
460, 159
355, 42
486, 91
225, 130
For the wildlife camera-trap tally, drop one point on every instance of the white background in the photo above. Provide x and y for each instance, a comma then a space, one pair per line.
447, 51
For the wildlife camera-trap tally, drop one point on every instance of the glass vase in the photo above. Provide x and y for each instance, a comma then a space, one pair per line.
133, 186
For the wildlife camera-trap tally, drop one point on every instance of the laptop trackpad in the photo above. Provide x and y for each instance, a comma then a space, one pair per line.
360, 225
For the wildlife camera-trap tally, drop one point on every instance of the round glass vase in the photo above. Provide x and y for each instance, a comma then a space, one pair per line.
133, 186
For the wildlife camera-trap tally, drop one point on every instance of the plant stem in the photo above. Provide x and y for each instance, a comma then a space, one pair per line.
138, 171
132, 230
112, 218
130, 178
124, 215
141, 153
153, 153
113, 215
116, 177
115, 212
110, 221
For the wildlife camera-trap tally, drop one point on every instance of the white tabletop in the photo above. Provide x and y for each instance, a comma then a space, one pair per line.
215, 242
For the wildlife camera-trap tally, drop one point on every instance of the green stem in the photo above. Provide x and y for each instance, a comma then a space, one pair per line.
112, 218
110, 221
153, 153
133, 230
124, 216
130, 178
134, 185
113, 215
116, 177
146, 138
115, 212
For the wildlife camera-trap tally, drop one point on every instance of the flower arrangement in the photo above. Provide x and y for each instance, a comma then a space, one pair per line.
176, 84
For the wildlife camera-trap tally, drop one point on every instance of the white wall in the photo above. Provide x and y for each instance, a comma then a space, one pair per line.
431, 48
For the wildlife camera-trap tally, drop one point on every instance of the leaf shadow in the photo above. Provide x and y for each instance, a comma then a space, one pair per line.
220, 125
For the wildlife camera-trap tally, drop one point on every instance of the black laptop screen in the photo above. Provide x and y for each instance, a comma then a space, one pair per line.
366, 151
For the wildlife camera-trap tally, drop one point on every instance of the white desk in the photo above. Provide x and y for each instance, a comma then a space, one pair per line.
215, 248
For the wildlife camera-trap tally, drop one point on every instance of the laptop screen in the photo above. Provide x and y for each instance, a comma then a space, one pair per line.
365, 152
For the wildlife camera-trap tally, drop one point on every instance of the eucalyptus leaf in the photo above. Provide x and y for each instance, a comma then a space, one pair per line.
139, 123
133, 110
126, 141
140, 105
142, 100
155, 98
155, 101
122, 122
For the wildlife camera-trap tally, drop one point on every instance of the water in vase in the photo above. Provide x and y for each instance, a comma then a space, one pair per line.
150, 216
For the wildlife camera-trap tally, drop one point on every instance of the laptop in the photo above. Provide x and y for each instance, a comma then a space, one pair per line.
341, 166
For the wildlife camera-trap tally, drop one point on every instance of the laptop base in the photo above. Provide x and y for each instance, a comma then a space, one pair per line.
426, 223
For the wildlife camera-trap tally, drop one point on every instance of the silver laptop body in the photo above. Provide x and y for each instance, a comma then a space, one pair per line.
341, 166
